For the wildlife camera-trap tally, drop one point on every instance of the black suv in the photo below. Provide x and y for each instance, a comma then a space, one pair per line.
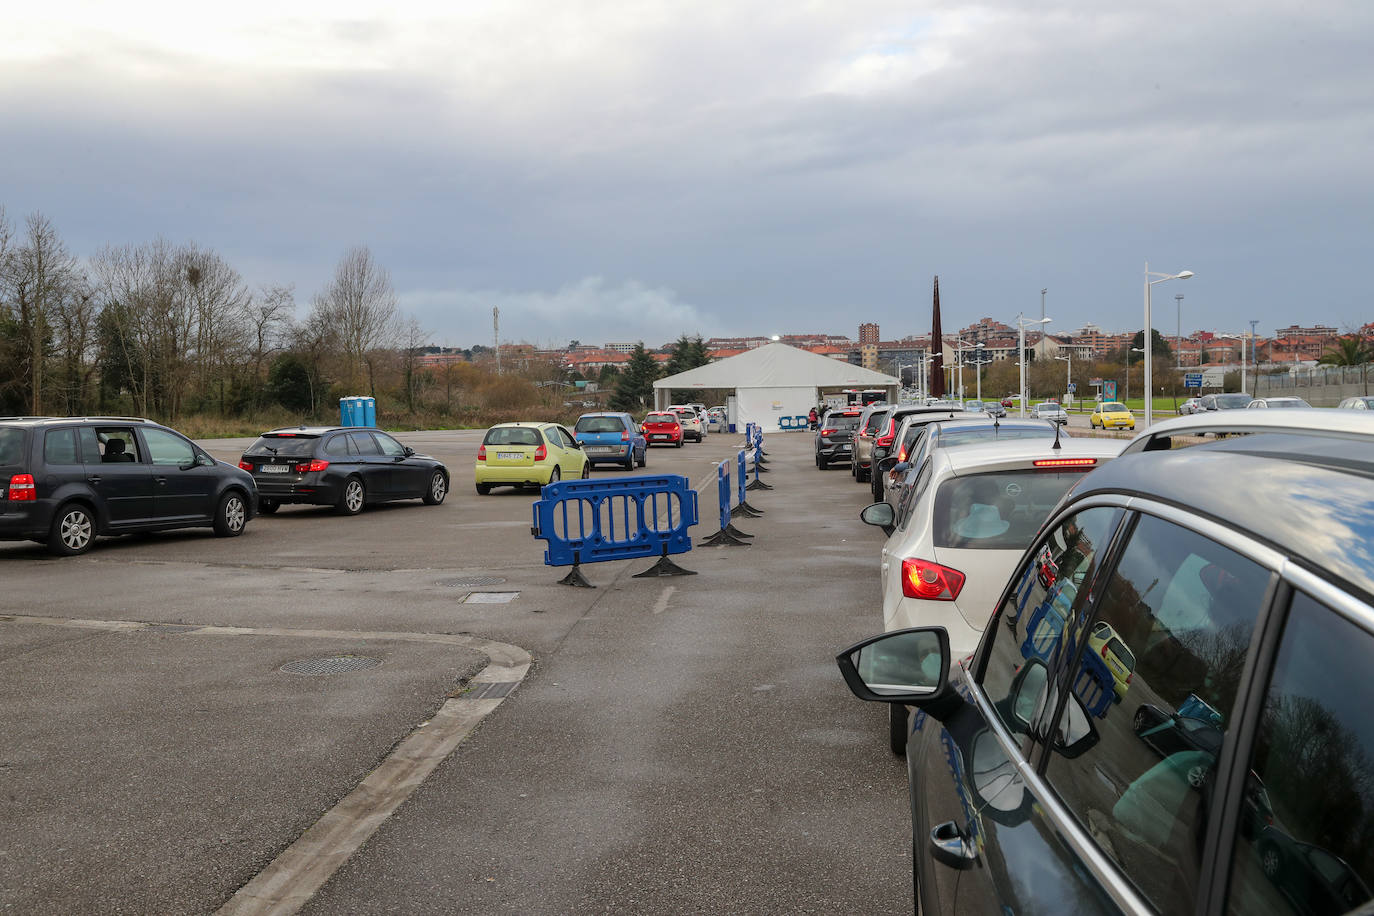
65, 480
1169, 710
835, 438
346, 467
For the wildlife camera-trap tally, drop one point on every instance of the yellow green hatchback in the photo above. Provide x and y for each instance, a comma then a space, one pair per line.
1112, 415
528, 455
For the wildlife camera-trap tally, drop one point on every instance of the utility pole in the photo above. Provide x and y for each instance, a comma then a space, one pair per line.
1042, 323
1178, 340
496, 336
1254, 355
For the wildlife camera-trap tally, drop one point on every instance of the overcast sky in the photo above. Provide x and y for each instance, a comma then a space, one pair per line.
639, 170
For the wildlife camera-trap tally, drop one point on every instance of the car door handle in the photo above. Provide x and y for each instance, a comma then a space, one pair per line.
949, 847
94, 478
162, 481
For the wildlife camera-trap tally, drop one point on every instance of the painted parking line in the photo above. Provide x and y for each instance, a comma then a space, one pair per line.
294, 876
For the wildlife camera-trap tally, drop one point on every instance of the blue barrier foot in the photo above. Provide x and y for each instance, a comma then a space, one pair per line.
758, 485
576, 578
663, 568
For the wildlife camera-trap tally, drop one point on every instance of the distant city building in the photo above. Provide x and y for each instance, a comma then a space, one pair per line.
736, 343
1320, 330
985, 329
619, 347
868, 333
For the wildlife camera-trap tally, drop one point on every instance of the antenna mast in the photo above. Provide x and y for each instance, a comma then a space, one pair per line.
496, 336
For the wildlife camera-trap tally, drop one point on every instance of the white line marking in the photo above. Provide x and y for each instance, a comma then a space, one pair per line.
661, 604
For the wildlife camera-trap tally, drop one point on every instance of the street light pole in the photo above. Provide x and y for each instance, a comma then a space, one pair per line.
1068, 374
1149, 333
1128, 372
978, 368
1178, 332
1042, 321
1021, 322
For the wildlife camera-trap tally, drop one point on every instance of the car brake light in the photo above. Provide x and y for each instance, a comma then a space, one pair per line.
931, 581
886, 438
1104, 650
22, 488
541, 453
1129, 675
827, 432
1065, 462
315, 464
482, 452
246, 465
624, 435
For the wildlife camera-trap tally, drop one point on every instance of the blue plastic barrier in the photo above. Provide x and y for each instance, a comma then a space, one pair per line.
592, 521
800, 422
743, 476
728, 533
784, 422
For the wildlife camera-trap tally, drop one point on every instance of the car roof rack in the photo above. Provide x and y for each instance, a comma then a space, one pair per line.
1316, 421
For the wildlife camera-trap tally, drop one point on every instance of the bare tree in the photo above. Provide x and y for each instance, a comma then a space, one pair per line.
412, 338
269, 316
37, 277
361, 305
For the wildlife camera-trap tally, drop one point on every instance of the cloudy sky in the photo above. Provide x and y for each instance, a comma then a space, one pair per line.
639, 170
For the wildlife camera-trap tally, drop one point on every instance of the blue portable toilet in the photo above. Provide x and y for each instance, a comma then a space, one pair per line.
368, 410
346, 412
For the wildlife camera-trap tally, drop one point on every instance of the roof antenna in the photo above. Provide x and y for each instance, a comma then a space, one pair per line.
1057, 426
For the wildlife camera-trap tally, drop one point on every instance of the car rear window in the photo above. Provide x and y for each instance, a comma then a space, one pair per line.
842, 422
1232, 401
293, 446
876, 421
661, 418
952, 437
1001, 510
511, 435
599, 425
11, 446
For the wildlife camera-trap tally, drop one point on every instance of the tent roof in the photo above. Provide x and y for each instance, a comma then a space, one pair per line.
778, 365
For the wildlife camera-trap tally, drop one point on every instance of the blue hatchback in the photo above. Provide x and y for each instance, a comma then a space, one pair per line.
611, 438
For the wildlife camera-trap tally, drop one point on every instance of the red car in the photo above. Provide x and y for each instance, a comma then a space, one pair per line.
662, 429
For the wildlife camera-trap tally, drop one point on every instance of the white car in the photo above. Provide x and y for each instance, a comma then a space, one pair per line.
693, 422
959, 531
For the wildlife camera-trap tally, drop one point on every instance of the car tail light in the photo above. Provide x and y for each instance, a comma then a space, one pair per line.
1129, 675
541, 452
246, 465
22, 488
1104, 650
315, 464
1065, 462
885, 439
828, 432
624, 435
482, 452
931, 581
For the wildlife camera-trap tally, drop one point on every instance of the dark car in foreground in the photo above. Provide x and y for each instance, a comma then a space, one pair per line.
835, 438
63, 481
1232, 776
347, 467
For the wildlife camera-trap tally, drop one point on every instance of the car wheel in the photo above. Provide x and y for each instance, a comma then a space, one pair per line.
554, 475
483, 489
268, 506
1271, 861
896, 728
679, 443
587, 469
644, 457
231, 516
438, 489
353, 498
630, 461
823, 464
73, 530
1140, 721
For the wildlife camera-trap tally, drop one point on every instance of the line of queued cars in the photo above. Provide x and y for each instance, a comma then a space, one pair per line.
1130, 676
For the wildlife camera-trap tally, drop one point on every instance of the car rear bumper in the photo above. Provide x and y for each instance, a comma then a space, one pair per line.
841, 452
663, 438
514, 476
291, 491
24, 521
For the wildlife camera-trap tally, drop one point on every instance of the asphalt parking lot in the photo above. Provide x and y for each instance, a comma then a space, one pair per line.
665, 745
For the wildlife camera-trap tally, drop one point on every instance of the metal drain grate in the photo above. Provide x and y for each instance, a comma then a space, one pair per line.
338, 664
169, 628
490, 691
472, 581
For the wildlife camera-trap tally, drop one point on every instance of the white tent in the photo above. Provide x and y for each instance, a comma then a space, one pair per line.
775, 384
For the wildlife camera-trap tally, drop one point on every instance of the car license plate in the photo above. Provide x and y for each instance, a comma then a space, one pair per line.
274, 468
658, 437
601, 450
510, 456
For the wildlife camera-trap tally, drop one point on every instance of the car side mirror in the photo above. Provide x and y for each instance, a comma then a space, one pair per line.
409, 451
887, 463
204, 461
905, 666
879, 515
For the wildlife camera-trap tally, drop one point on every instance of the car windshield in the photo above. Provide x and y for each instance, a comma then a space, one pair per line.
1288, 402
511, 435
965, 435
1001, 510
291, 445
1232, 401
599, 425
1113, 407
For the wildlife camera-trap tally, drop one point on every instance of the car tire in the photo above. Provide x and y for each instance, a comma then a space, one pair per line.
644, 457
587, 470
73, 530
353, 498
823, 464
630, 461
555, 475
438, 489
896, 728
1271, 860
679, 442
267, 506
483, 489
231, 515
1140, 721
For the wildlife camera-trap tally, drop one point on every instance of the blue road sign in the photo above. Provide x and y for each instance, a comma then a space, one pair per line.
1192, 380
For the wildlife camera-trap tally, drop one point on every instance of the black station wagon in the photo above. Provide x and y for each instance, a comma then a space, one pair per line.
1169, 711
63, 481
346, 467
